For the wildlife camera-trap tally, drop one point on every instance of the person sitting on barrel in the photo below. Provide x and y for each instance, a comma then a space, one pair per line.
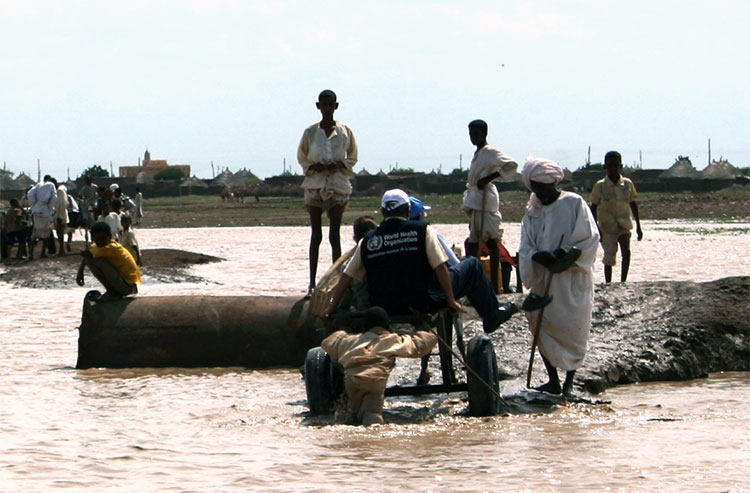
368, 359
111, 264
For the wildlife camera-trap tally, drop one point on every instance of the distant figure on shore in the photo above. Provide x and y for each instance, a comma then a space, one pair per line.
111, 217
127, 204
111, 264
551, 216
138, 200
612, 202
61, 217
42, 200
368, 359
327, 153
481, 199
128, 239
88, 197
75, 219
14, 229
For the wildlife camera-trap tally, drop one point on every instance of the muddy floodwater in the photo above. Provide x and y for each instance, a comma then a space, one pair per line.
232, 429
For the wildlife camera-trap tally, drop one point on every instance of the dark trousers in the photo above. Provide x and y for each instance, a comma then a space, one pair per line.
468, 279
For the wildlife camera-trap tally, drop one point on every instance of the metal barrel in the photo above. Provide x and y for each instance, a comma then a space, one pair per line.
196, 331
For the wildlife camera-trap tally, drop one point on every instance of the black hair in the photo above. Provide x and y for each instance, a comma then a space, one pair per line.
47, 178
327, 93
116, 203
101, 227
400, 211
376, 317
611, 157
13, 202
362, 225
479, 124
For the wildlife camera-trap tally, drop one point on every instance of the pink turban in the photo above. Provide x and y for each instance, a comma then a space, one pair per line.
541, 170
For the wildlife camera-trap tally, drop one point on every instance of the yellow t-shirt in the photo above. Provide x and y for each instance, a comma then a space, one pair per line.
612, 201
120, 258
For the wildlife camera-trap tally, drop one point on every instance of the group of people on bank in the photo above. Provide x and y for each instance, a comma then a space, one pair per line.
403, 266
48, 212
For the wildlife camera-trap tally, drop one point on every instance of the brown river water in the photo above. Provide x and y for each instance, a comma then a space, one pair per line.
243, 430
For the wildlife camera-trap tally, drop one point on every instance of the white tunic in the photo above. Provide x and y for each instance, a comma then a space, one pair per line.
486, 161
316, 147
567, 320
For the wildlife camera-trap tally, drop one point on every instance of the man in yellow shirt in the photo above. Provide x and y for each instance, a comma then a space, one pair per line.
612, 203
111, 263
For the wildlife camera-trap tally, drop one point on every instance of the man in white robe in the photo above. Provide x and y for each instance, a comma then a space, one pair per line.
551, 216
42, 200
481, 200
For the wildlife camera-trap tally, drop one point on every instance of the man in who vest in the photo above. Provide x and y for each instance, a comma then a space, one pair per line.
399, 260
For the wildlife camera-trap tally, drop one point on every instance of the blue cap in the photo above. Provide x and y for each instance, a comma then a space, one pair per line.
417, 207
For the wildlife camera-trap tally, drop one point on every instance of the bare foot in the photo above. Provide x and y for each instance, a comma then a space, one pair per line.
108, 297
550, 388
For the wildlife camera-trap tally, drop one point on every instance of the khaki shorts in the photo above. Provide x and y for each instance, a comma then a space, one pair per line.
610, 243
313, 198
121, 285
490, 228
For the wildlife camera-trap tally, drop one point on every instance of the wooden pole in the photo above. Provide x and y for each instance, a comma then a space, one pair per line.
536, 329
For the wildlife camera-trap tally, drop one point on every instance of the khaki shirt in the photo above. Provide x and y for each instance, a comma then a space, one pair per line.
373, 354
612, 201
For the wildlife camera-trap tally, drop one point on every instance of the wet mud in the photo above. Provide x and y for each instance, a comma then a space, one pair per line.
162, 265
650, 331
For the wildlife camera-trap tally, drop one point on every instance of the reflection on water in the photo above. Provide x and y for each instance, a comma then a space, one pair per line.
235, 430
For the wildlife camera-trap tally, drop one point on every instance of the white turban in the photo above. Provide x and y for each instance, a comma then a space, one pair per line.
541, 170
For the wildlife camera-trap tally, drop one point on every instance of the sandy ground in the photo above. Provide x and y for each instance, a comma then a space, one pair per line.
158, 264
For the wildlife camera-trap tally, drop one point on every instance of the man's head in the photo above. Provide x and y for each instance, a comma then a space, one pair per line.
613, 165
478, 132
418, 209
116, 204
87, 179
101, 234
362, 225
376, 317
47, 178
13, 203
125, 221
327, 103
395, 203
541, 176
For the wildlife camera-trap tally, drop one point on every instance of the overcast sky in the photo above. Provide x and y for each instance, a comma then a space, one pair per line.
235, 82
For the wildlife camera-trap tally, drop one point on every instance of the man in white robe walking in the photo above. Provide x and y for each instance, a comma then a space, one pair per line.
552, 214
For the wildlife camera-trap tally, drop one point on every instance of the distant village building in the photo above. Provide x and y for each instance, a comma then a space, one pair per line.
680, 175
719, 174
151, 166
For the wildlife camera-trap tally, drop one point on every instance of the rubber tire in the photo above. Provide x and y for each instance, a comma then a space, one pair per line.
480, 356
324, 381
